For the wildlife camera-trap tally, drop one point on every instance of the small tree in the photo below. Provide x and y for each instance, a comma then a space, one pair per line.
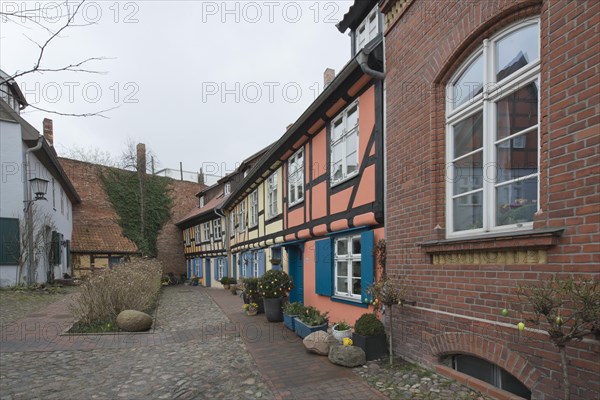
386, 292
568, 309
42, 222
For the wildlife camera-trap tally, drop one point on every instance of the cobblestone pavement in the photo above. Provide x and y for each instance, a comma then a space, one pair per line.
408, 381
17, 304
204, 367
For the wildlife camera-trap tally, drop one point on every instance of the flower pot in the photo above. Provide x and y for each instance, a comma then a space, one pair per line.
304, 330
252, 312
273, 310
226, 286
289, 321
375, 347
340, 335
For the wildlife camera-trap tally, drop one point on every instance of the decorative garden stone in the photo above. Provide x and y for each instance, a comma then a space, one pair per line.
134, 321
347, 356
318, 342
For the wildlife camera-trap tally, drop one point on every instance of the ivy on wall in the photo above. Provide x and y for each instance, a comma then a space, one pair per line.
142, 202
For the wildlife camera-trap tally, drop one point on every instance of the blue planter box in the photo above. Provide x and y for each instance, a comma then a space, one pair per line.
289, 321
303, 330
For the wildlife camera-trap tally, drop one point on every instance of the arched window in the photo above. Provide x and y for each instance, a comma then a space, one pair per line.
492, 135
490, 373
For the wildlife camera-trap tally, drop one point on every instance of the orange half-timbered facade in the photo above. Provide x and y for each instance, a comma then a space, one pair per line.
330, 163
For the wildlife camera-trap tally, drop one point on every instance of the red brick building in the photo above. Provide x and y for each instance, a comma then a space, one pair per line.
492, 139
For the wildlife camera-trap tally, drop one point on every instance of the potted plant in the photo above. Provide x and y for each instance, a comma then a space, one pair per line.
311, 320
341, 330
273, 286
233, 284
225, 282
250, 308
251, 293
369, 335
290, 311
195, 281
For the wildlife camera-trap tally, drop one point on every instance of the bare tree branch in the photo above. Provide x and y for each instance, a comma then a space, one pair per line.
90, 114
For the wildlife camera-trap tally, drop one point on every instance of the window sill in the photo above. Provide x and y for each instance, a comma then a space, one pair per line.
349, 301
295, 205
272, 217
530, 239
346, 179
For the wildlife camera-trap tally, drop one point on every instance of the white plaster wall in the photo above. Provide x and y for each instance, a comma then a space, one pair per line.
12, 150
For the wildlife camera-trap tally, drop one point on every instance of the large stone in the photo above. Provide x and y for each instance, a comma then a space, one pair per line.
134, 321
347, 356
318, 342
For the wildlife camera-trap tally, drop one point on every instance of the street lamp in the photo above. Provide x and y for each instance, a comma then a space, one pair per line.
39, 187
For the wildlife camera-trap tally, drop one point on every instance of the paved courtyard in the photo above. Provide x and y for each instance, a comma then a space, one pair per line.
202, 347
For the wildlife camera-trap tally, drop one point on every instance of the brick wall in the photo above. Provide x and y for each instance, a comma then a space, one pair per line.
169, 242
458, 303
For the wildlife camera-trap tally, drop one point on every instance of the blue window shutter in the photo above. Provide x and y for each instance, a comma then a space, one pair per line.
324, 267
216, 269
261, 263
367, 264
188, 268
225, 268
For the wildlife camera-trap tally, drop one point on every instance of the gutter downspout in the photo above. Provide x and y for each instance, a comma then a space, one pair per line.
29, 211
362, 59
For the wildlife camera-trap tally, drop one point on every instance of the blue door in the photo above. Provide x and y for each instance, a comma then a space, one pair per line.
296, 270
189, 268
207, 272
234, 265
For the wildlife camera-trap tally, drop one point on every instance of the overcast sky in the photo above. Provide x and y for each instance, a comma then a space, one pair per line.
204, 83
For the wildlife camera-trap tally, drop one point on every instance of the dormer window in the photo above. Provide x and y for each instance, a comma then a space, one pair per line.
367, 30
201, 202
227, 188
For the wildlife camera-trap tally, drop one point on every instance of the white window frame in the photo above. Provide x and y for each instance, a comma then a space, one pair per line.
217, 234
221, 267
371, 27
253, 209
197, 238
242, 217
232, 223
255, 264
343, 140
227, 189
485, 102
206, 232
296, 177
349, 258
272, 200
201, 202
186, 237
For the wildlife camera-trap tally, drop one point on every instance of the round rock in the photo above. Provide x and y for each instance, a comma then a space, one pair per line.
318, 342
347, 356
134, 321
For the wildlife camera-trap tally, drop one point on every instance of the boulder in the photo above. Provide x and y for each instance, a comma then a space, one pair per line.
318, 342
347, 356
134, 321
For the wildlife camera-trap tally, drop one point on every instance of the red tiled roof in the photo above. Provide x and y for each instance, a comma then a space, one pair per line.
101, 239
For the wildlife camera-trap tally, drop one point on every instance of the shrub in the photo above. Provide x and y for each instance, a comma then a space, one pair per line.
131, 286
274, 284
251, 289
293, 308
232, 281
369, 325
224, 280
313, 317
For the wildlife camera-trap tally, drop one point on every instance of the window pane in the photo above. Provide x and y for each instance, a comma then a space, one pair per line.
337, 152
468, 135
517, 111
356, 246
356, 286
338, 130
476, 367
470, 83
342, 247
351, 163
516, 202
300, 191
517, 50
468, 211
468, 173
352, 118
342, 285
337, 171
352, 142
342, 269
517, 157
356, 269
292, 194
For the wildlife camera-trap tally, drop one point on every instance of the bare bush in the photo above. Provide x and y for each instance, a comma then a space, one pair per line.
131, 286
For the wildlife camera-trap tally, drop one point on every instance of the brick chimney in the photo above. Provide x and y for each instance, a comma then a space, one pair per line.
201, 176
48, 131
141, 158
328, 77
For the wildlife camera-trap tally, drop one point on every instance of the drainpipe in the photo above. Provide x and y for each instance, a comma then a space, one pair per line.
29, 211
362, 59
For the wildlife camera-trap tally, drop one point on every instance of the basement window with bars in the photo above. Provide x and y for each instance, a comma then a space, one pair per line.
492, 135
490, 373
